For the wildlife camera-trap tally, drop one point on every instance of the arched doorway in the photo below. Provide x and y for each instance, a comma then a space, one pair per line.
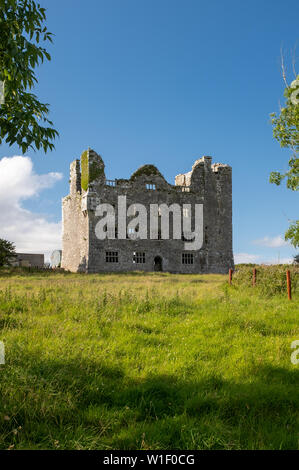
158, 263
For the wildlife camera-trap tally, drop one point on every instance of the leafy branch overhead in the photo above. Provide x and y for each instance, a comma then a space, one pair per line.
286, 131
23, 118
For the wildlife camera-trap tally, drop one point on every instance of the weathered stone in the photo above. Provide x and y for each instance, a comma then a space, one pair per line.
210, 185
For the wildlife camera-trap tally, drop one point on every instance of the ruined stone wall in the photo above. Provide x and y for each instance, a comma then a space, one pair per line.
214, 183
205, 184
74, 225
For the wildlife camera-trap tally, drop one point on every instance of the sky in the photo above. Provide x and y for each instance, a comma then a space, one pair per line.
162, 82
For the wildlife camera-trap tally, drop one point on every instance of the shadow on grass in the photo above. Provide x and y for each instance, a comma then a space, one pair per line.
91, 405
27, 272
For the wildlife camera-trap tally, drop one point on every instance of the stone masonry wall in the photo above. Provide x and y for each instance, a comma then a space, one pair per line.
75, 243
207, 184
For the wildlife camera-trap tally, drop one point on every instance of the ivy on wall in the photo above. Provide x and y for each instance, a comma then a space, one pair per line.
90, 171
146, 170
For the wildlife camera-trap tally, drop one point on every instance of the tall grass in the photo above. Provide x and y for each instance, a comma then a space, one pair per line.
145, 361
270, 280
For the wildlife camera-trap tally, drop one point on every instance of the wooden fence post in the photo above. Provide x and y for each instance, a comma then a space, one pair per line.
230, 275
289, 286
253, 277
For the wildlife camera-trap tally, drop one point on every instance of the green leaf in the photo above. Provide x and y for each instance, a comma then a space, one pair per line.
22, 114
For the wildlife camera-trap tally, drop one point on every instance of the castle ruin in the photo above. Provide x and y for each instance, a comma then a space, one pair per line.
207, 184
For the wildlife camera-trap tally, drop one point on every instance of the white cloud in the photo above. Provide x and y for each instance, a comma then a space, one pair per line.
259, 259
246, 258
286, 260
30, 232
271, 242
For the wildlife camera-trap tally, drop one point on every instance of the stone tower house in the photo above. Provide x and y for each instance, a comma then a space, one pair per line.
206, 184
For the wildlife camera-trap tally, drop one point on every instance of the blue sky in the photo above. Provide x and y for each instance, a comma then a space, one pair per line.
166, 82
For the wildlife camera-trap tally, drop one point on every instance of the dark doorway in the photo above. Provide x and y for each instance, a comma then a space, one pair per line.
158, 263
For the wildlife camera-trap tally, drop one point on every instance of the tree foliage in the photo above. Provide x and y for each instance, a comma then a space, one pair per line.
286, 131
23, 118
292, 233
7, 252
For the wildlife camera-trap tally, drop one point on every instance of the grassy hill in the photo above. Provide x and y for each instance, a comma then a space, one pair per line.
145, 361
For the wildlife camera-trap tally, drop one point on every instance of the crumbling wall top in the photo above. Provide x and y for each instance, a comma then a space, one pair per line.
146, 170
220, 166
92, 168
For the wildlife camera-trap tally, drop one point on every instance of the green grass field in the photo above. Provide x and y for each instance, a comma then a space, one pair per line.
153, 361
